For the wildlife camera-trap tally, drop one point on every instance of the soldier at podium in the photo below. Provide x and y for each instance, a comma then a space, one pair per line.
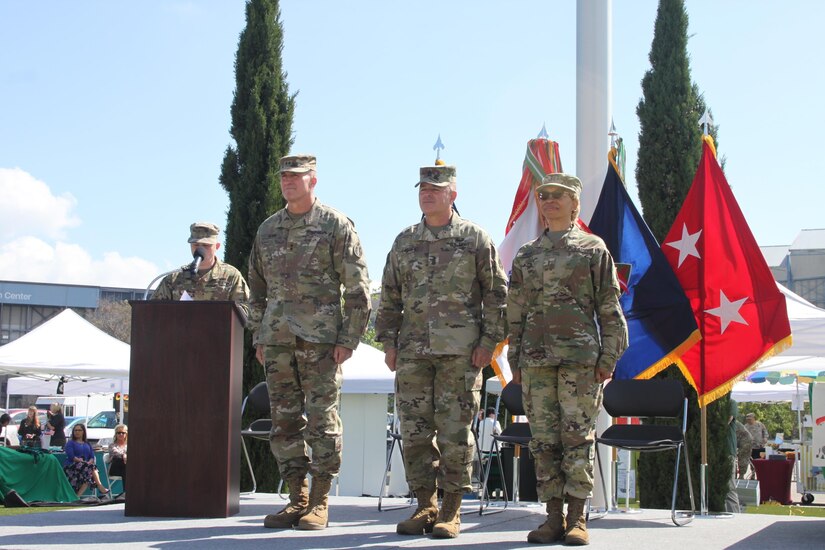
213, 279
309, 308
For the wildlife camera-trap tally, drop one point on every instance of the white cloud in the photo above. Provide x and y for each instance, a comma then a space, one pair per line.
33, 236
34, 260
28, 207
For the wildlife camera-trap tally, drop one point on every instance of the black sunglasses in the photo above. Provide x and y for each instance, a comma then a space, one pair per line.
547, 195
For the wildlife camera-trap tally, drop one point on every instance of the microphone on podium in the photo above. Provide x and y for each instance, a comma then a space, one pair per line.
197, 259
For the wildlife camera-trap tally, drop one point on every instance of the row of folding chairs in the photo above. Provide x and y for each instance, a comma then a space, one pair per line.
657, 401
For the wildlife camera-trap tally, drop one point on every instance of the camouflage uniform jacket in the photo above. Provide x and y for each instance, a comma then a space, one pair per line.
222, 282
744, 440
563, 295
759, 434
296, 273
442, 294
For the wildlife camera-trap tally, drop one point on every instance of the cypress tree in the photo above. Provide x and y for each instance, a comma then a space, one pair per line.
262, 111
670, 146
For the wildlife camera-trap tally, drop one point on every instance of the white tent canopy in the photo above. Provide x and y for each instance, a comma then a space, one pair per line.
36, 386
366, 372
807, 352
66, 345
765, 392
807, 325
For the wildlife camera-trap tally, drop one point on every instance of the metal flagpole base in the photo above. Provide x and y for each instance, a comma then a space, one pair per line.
703, 499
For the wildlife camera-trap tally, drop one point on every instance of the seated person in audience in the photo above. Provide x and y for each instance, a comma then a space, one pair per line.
5, 420
29, 430
56, 425
487, 428
80, 465
117, 452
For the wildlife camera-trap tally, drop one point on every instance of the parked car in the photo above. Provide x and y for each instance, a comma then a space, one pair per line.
100, 430
21, 414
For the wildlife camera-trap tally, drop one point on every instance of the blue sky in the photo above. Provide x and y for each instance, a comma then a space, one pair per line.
115, 115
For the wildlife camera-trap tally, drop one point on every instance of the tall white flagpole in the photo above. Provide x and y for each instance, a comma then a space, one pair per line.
594, 74
594, 97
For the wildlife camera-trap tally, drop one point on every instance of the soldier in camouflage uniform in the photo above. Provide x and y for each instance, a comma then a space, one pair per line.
741, 442
440, 316
759, 435
214, 279
744, 442
567, 332
309, 308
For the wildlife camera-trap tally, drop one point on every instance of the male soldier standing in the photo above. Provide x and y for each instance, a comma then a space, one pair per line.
440, 316
309, 308
567, 332
214, 279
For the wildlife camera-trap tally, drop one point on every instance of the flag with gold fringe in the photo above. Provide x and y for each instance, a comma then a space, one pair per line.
740, 312
660, 321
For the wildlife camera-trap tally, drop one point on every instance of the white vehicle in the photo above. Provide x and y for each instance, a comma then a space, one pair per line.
100, 429
77, 405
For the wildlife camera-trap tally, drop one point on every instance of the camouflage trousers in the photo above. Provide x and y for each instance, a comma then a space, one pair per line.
304, 384
437, 398
743, 460
562, 404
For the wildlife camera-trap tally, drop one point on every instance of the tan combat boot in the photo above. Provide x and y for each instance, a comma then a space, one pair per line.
576, 534
552, 530
423, 518
289, 515
448, 523
317, 516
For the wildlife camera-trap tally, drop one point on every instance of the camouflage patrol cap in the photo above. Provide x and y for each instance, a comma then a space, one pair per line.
440, 176
203, 233
298, 163
565, 181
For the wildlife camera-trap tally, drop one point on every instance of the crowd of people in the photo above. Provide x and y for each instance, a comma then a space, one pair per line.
80, 463
445, 303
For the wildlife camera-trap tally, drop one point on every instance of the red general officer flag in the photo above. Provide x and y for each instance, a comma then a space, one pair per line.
738, 307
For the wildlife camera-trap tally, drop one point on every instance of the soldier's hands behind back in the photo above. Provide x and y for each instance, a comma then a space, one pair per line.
602, 375
341, 354
481, 357
390, 355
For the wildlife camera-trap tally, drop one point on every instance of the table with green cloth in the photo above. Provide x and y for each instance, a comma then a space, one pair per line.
35, 478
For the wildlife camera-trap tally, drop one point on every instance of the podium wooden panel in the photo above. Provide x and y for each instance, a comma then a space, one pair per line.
185, 409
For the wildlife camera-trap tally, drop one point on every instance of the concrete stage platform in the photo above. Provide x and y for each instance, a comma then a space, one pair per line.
356, 523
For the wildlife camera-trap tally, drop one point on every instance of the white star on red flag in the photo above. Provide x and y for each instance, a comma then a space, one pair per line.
728, 312
686, 245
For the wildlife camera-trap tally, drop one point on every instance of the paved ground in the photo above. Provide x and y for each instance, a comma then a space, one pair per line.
356, 523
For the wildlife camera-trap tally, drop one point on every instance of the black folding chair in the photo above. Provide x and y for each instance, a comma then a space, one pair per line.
257, 401
652, 400
516, 433
394, 438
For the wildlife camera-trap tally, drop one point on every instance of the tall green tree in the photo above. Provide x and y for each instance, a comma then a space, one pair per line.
670, 146
262, 112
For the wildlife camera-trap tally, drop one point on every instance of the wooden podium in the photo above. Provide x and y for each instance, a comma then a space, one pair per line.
185, 409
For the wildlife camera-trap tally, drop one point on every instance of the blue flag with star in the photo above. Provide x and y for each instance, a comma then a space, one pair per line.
660, 322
